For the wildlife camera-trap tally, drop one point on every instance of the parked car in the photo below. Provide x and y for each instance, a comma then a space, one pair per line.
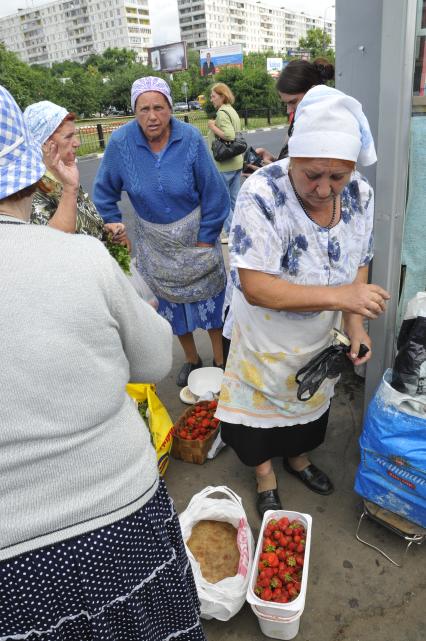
113, 111
194, 105
180, 106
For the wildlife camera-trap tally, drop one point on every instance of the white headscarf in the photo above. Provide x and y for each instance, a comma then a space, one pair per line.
330, 124
150, 83
43, 118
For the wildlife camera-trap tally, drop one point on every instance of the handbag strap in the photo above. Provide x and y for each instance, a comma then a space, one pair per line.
224, 111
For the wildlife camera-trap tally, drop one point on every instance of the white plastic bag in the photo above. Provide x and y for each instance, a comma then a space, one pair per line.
142, 288
221, 600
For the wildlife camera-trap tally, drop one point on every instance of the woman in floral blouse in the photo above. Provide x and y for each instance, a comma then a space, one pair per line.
63, 205
301, 243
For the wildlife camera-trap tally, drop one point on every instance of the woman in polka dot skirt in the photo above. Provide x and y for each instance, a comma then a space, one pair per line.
90, 544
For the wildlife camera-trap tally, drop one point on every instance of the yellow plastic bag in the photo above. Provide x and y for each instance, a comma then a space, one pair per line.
159, 422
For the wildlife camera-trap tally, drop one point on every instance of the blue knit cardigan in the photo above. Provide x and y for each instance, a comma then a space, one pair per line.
162, 187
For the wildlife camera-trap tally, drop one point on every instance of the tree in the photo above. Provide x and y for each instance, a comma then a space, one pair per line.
117, 89
317, 42
253, 88
26, 84
111, 59
82, 93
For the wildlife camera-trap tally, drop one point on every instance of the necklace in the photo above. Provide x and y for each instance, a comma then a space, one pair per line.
300, 201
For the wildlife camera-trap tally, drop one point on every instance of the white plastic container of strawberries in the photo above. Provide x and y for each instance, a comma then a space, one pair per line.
280, 620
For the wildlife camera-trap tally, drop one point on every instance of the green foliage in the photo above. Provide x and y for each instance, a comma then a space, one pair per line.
252, 87
26, 84
82, 93
111, 60
317, 42
104, 80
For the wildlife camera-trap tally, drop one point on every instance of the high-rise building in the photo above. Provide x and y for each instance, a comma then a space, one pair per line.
73, 29
255, 24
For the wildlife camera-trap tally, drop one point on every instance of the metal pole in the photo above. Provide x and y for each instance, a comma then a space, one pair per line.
185, 89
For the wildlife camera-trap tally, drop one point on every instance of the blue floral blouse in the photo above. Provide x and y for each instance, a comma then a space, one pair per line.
271, 233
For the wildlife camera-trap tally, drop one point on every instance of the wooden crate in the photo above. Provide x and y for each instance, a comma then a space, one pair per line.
191, 451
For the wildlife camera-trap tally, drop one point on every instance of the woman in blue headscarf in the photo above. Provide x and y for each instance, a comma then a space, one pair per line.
180, 203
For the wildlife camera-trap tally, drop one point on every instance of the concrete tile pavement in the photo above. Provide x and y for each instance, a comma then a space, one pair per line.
354, 594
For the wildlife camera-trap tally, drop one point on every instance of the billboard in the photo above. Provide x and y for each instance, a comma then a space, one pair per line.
213, 59
303, 54
274, 66
170, 57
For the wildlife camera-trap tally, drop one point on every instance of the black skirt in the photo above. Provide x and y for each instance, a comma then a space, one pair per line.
255, 445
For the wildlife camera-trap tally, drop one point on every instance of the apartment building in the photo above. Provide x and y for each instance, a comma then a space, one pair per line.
255, 24
73, 29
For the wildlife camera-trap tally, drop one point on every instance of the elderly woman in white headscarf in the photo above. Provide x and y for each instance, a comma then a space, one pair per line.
60, 201
301, 244
180, 203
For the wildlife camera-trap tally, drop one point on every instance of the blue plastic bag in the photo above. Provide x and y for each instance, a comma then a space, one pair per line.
392, 472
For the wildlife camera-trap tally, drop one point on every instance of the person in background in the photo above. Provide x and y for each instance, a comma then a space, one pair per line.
180, 203
60, 201
226, 125
300, 247
208, 66
90, 543
294, 81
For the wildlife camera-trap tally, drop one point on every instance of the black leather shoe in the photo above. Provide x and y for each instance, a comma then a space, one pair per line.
186, 369
313, 478
268, 500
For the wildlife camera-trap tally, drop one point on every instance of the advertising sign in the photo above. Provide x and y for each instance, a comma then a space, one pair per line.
213, 59
303, 54
170, 57
274, 66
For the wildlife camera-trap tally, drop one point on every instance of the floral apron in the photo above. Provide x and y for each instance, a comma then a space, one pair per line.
171, 263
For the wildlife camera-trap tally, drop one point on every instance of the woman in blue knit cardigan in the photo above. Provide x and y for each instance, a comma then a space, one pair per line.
180, 204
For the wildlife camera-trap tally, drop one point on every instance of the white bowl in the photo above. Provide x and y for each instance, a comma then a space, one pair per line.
186, 396
204, 380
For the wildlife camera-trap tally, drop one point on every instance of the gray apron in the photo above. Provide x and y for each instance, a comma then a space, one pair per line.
172, 265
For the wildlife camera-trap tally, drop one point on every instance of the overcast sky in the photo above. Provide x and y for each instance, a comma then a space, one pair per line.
164, 15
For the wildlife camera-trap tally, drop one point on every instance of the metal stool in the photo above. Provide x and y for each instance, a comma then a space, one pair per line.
410, 532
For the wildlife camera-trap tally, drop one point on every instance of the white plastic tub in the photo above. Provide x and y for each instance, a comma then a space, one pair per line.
268, 611
278, 627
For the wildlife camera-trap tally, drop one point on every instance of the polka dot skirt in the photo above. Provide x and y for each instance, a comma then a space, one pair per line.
129, 581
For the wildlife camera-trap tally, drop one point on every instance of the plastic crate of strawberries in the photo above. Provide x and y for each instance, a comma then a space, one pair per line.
281, 560
194, 432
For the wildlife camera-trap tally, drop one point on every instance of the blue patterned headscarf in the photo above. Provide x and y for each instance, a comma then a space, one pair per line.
21, 164
150, 83
330, 124
43, 118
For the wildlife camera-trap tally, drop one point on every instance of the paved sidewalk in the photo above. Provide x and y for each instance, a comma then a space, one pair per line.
354, 594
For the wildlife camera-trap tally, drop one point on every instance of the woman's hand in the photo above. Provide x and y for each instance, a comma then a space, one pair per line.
67, 174
266, 155
249, 169
354, 328
211, 124
117, 232
361, 298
